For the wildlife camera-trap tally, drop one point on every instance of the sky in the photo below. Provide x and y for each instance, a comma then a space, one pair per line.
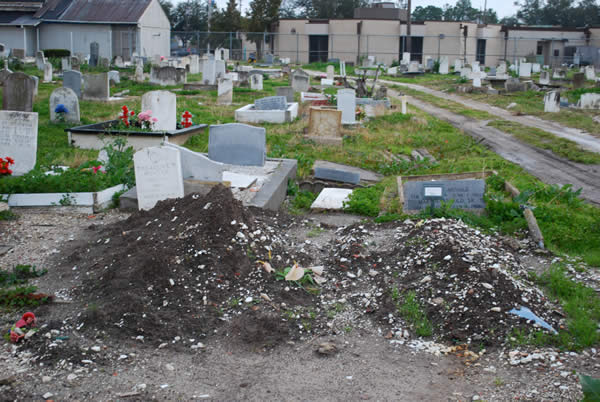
504, 8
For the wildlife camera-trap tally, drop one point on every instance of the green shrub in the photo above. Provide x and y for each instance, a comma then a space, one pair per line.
304, 200
364, 201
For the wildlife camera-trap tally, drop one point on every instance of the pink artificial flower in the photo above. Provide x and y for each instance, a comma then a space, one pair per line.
154, 119
96, 168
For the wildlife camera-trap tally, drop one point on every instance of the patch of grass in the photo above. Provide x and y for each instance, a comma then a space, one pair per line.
19, 275
364, 201
413, 313
303, 201
19, 297
8, 215
315, 231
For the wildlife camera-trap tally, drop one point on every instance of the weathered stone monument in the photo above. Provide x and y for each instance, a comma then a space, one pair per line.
330, 72
300, 81
224, 91
96, 87
94, 54
48, 72
525, 70
168, 76
18, 93
288, 92
158, 175
544, 78
237, 144
552, 102
18, 139
346, 103
325, 126
444, 65
40, 60
72, 80
163, 105
271, 103
70, 110
256, 82
578, 80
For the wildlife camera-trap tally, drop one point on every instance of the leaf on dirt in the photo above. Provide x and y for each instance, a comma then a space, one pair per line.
319, 279
267, 267
295, 274
317, 270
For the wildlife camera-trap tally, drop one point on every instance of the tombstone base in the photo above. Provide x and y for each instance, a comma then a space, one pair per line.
248, 114
325, 140
198, 86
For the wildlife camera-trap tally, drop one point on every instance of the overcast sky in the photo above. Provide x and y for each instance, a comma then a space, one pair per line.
504, 8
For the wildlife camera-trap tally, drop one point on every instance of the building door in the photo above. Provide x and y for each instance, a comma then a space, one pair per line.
318, 48
416, 48
480, 56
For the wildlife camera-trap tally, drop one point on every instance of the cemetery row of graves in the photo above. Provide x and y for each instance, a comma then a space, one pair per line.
277, 136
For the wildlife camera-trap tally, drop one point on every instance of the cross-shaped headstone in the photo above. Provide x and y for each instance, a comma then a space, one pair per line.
186, 119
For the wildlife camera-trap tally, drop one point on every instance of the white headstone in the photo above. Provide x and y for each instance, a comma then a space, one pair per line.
224, 91
404, 100
209, 72
590, 73
545, 78
476, 80
157, 175
552, 102
346, 102
342, 68
475, 67
525, 70
501, 70
536, 68
219, 69
18, 139
139, 72
466, 72
163, 105
589, 101
256, 82
68, 98
413, 67
444, 68
392, 71
330, 72
48, 72
405, 58
457, 65
326, 82
194, 64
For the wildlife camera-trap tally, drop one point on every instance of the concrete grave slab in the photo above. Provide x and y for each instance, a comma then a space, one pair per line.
365, 175
238, 180
325, 125
288, 92
331, 199
237, 144
337, 175
249, 114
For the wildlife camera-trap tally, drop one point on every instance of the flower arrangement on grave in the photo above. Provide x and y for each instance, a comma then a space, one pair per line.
186, 119
360, 113
125, 115
4, 166
143, 121
146, 120
61, 110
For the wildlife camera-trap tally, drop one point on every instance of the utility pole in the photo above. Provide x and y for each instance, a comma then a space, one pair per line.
210, 2
484, 11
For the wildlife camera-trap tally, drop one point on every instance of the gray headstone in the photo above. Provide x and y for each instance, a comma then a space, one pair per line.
256, 82
40, 60
18, 92
492, 71
18, 53
545, 78
65, 63
346, 102
237, 144
168, 75
224, 91
48, 72
467, 194
75, 63
104, 62
96, 87
119, 62
67, 98
72, 80
269, 58
220, 69
300, 81
36, 81
288, 92
271, 103
552, 102
113, 77
337, 175
209, 76
157, 175
578, 80
18, 139
4, 73
514, 85
94, 54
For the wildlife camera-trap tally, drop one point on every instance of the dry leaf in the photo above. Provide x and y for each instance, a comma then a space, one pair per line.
318, 270
267, 266
319, 279
296, 273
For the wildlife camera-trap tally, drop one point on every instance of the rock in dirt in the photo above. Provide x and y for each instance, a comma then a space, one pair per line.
327, 348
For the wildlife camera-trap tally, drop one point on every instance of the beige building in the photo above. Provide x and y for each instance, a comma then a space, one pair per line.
305, 40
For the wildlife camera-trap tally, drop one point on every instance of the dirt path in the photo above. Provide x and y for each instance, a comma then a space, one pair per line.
585, 140
543, 164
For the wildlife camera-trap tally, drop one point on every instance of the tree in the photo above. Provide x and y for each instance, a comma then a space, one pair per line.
168, 9
510, 21
262, 15
530, 12
190, 15
326, 8
429, 13
462, 11
227, 20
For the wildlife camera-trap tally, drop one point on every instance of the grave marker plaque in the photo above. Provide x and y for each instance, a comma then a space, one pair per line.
18, 139
237, 144
466, 194
157, 175
19, 89
271, 103
72, 79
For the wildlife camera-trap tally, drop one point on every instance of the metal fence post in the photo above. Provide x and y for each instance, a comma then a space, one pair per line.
297, 49
230, 43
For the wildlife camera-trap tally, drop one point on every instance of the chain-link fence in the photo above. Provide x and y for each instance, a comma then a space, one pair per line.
566, 48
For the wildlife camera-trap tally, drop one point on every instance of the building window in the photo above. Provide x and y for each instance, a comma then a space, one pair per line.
416, 48
480, 56
540, 48
556, 52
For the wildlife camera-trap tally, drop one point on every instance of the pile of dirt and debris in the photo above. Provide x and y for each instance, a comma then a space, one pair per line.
204, 266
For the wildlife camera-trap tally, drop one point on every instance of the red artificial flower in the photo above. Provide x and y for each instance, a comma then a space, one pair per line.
10, 160
96, 168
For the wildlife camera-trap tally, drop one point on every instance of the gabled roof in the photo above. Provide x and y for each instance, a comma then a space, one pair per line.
115, 11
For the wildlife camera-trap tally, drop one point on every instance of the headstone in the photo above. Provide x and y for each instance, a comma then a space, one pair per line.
237, 144
590, 73
113, 77
48, 72
4, 73
94, 54
96, 87
514, 85
578, 80
288, 92
466, 72
168, 76
224, 91
269, 58
66, 97
346, 102
545, 78
300, 81
467, 194
104, 62
457, 65
337, 175
589, 101
476, 81
36, 81
413, 67
163, 105
444, 68
475, 67
209, 76
501, 70
256, 82
4, 51
428, 63
343, 68
18, 53
75, 63
525, 70
492, 72
220, 69
18, 93
326, 83
65, 63
157, 175
139, 72
271, 103
406, 58
330, 72
72, 80
40, 60
18, 139
404, 101
325, 125
559, 74
195, 64
552, 102
392, 71
119, 62
536, 68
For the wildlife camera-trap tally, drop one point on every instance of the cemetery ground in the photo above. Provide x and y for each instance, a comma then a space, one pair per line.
179, 302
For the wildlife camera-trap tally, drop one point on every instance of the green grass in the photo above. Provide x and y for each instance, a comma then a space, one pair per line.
413, 313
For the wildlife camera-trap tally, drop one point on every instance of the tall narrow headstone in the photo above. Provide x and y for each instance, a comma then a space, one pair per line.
18, 93
163, 105
545, 78
346, 102
209, 73
237, 144
75, 63
96, 87
536, 68
342, 68
72, 80
139, 72
65, 63
48, 72
70, 110
444, 68
194, 64
18, 53
256, 82
501, 70
36, 85
590, 73
40, 60
94, 54
457, 65
525, 70
406, 58
158, 175
475, 67
578, 80
220, 69
330, 72
18, 139
552, 102
224, 91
